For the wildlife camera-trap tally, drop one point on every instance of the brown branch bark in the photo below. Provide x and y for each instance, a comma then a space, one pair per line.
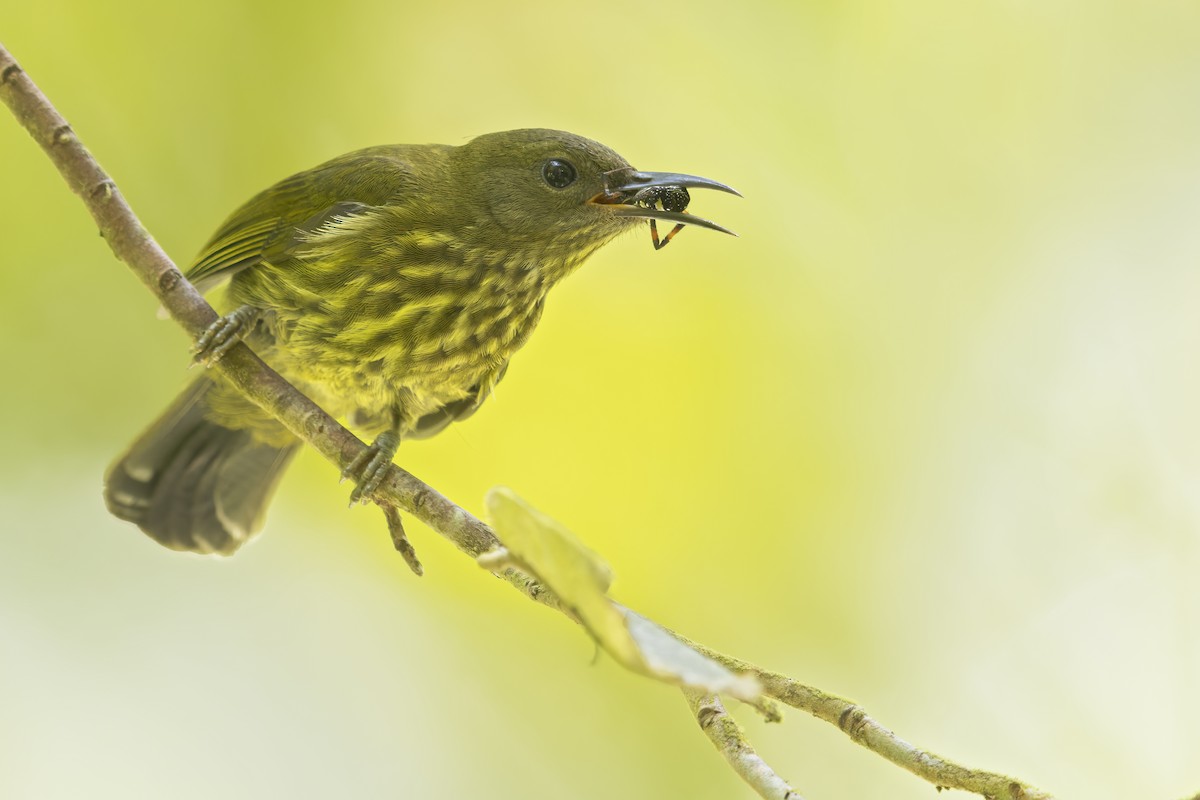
131, 243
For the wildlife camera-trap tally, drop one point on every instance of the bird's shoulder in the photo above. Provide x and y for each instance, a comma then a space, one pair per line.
274, 221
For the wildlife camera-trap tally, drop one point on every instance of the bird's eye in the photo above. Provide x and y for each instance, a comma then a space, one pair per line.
558, 173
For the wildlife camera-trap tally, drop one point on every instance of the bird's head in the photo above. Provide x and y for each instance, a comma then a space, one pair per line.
555, 190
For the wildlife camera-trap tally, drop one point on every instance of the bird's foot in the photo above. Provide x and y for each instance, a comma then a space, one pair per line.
369, 469
223, 334
400, 539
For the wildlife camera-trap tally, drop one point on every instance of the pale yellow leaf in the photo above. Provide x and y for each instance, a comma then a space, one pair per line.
548, 551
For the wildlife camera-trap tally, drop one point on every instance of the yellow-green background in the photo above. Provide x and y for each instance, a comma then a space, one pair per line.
927, 434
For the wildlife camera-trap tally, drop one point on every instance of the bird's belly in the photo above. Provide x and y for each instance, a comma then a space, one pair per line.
416, 358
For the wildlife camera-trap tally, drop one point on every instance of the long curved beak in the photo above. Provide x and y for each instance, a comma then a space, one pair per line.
624, 189
631, 181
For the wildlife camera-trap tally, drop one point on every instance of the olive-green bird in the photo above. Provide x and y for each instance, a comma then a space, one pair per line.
392, 285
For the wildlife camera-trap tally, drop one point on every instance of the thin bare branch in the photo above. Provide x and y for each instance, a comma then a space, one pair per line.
730, 741
131, 243
853, 720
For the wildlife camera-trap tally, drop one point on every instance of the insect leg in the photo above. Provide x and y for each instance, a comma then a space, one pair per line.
660, 245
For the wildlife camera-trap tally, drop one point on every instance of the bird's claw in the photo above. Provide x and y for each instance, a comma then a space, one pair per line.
214, 343
371, 466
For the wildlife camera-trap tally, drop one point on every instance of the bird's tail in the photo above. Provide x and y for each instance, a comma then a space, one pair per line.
194, 484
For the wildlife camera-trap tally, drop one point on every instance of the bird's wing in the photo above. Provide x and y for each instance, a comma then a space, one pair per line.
271, 224
456, 411
245, 246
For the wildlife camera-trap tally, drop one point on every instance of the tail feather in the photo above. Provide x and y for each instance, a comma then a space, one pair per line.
193, 484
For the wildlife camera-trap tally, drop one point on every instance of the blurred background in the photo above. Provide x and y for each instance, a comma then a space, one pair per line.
926, 435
